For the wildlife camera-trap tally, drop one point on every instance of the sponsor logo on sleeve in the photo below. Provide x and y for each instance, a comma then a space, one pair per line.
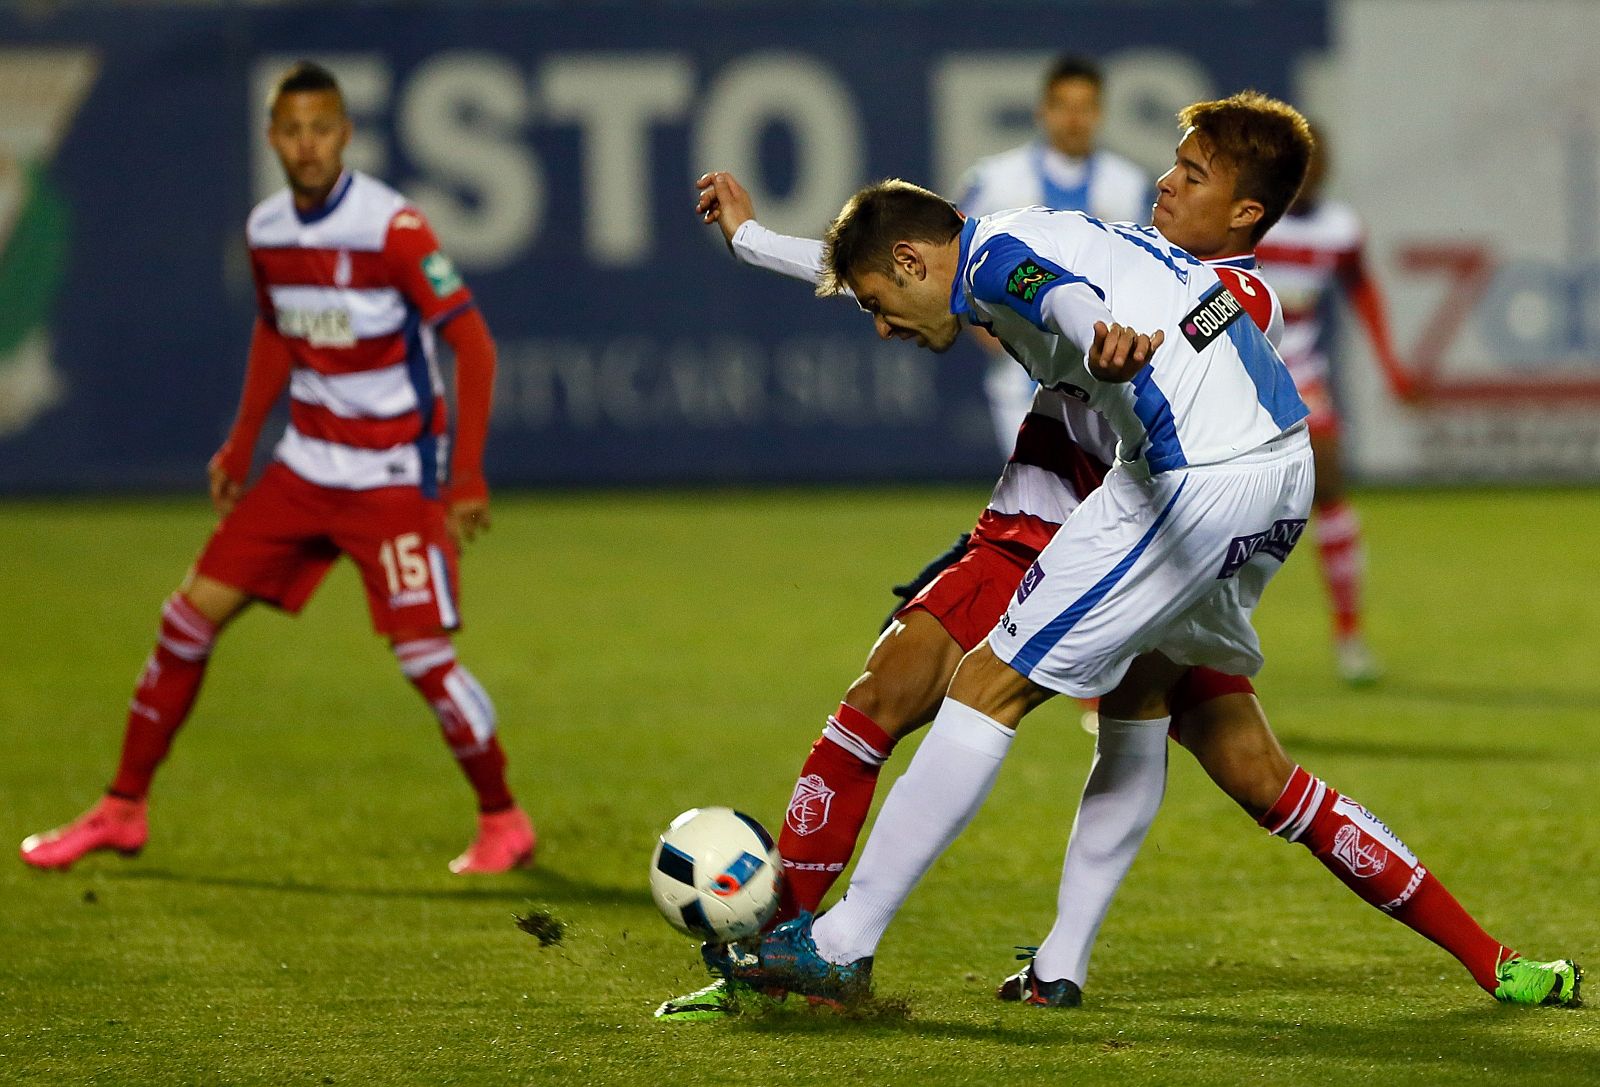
1210, 318
1027, 280
1276, 541
441, 274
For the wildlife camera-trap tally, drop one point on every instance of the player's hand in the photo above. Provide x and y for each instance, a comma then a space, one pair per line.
1118, 352
225, 490
723, 201
467, 517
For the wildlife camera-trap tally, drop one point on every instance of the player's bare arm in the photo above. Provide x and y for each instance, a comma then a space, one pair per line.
723, 201
1118, 353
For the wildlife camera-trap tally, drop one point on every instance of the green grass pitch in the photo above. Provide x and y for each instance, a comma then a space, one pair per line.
292, 921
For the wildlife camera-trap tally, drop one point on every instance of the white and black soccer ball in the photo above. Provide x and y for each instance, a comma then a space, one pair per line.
715, 874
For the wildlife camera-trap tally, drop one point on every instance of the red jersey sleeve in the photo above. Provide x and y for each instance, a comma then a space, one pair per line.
263, 297
420, 270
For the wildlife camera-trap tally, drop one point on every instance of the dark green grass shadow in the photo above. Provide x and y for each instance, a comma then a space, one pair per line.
543, 884
1480, 696
1298, 743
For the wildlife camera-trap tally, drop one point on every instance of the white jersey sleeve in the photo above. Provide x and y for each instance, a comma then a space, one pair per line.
797, 258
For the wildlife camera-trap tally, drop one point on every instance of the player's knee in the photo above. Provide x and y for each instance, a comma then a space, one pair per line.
463, 708
992, 687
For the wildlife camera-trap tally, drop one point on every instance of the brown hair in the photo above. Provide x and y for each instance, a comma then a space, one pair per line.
863, 234
1266, 141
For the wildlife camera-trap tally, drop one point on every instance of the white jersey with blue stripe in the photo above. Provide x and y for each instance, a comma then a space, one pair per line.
1040, 279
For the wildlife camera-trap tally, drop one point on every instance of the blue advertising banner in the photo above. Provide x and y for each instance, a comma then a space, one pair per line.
554, 151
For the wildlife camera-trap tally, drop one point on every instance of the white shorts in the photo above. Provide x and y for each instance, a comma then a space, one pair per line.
1174, 563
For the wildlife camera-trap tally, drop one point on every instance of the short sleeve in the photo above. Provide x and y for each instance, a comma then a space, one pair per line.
1006, 272
420, 269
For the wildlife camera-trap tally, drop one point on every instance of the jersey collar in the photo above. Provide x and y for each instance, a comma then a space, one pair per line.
958, 293
1247, 261
335, 198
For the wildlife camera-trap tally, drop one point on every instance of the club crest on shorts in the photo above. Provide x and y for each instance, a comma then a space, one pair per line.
809, 806
1364, 857
1030, 581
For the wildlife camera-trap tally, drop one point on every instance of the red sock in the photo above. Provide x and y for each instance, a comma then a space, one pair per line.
829, 807
1367, 857
164, 694
1339, 547
466, 716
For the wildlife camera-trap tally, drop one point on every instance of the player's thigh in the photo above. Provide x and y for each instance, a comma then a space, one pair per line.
907, 673
409, 566
272, 546
218, 602
1330, 468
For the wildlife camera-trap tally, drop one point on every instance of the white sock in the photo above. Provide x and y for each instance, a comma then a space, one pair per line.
1119, 804
943, 788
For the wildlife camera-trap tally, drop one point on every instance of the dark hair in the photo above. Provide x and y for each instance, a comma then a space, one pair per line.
304, 76
1069, 66
1267, 142
862, 237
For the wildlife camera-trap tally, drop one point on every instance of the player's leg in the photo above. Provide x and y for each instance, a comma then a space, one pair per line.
1233, 742
259, 551
933, 801
1340, 555
1121, 797
905, 677
409, 567
191, 619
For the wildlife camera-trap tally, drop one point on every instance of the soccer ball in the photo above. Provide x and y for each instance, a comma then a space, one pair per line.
715, 874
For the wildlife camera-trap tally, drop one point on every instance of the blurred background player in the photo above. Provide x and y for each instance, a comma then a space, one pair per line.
352, 287
1315, 252
1063, 169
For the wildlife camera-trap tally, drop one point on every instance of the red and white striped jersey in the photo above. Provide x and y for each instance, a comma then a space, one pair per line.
1303, 256
356, 289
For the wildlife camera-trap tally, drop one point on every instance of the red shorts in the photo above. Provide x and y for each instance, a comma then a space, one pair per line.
971, 594
280, 539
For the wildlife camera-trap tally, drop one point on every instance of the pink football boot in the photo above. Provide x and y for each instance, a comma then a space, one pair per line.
505, 840
113, 823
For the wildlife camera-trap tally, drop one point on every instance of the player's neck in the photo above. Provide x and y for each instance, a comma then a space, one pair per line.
310, 200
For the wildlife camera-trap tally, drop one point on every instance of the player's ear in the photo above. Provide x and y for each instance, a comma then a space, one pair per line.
908, 258
1246, 214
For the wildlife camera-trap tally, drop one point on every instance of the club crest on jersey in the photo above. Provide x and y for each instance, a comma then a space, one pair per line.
1277, 541
809, 806
441, 274
1030, 582
1364, 857
1027, 280
1210, 318
318, 327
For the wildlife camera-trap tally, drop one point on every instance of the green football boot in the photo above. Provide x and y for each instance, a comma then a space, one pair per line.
1523, 981
722, 999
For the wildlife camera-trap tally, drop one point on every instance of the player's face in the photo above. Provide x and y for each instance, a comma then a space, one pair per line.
908, 308
309, 131
1195, 204
1069, 115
